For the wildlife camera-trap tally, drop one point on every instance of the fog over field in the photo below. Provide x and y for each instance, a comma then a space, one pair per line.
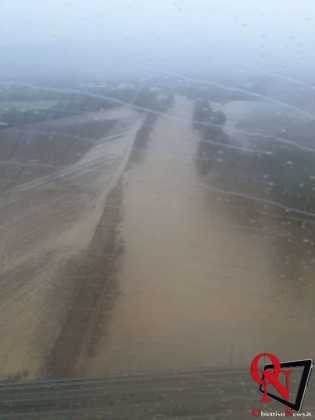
200, 37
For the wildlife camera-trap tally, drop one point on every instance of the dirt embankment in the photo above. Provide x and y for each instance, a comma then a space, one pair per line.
142, 139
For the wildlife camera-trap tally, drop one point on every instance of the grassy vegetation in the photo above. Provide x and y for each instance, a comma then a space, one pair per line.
21, 105
210, 92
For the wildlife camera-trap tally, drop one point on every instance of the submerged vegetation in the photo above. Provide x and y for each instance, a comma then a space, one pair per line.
271, 170
266, 186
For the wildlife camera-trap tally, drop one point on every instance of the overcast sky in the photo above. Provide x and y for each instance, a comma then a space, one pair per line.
97, 37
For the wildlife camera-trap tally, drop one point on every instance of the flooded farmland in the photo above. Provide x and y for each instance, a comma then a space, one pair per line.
207, 277
168, 244
157, 209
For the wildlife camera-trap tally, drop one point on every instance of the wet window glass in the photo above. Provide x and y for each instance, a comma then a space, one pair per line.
157, 203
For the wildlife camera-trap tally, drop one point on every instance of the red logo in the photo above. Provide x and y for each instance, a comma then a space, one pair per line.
274, 379
271, 377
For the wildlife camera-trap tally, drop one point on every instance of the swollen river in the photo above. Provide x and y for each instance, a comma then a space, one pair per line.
201, 286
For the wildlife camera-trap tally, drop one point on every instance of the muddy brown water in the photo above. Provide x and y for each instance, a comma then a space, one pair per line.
201, 278
200, 284
46, 224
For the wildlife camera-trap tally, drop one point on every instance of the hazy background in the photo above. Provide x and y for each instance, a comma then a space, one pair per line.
123, 37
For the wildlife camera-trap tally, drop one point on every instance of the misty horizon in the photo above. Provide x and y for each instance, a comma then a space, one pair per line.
136, 39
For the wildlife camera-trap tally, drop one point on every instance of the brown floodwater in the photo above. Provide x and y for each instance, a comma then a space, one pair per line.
206, 279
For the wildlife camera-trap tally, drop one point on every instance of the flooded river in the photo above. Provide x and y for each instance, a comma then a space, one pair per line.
206, 278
